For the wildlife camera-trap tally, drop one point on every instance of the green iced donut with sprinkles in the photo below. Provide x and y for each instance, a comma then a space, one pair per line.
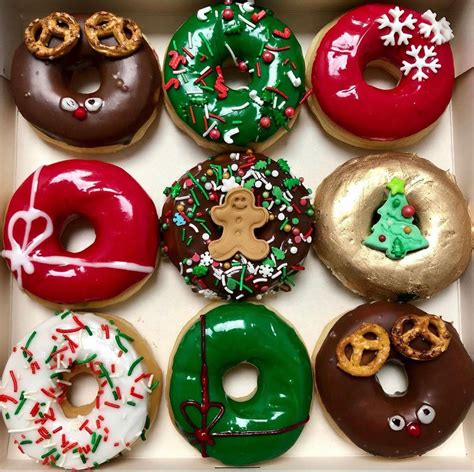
251, 39
246, 431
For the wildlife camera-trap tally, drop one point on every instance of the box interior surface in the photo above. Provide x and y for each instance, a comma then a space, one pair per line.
165, 305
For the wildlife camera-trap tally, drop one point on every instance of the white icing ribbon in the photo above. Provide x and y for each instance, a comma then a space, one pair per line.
21, 257
228, 135
296, 81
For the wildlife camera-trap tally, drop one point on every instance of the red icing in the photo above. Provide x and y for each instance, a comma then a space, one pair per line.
122, 214
366, 111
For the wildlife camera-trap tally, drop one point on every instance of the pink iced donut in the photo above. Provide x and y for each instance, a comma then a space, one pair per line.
413, 47
113, 267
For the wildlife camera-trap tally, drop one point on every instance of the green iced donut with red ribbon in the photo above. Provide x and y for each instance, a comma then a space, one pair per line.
261, 427
258, 45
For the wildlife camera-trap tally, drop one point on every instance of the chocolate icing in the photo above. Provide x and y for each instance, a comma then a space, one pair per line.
360, 407
129, 88
189, 250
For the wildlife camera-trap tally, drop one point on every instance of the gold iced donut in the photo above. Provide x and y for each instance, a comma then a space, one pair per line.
346, 215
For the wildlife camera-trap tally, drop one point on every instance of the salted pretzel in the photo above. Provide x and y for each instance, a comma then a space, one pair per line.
39, 32
104, 24
359, 344
402, 339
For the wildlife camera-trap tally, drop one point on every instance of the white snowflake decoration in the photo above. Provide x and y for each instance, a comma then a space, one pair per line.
421, 62
396, 27
265, 271
229, 184
206, 259
442, 32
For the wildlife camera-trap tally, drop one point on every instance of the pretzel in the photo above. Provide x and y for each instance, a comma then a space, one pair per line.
359, 344
402, 339
104, 24
39, 33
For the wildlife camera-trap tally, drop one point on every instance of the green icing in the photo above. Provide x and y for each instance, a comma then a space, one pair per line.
394, 233
236, 112
236, 333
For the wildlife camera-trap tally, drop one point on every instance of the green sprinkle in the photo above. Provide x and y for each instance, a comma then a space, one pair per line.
27, 345
7, 416
125, 336
284, 223
97, 442
189, 241
120, 345
96, 464
206, 228
154, 385
83, 458
147, 422
55, 375
131, 403
135, 363
93, 437
112, 322
89, 331
106, 375
242, 275
20, 405
26, 441
206, 87
206, 43
86, 361
198, 185
55, 348
183, 234
193, 193
46, 454
114, 393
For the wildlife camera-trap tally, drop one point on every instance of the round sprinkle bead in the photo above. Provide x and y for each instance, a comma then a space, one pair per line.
408, 211
215, 134
382, 238
228, 14
265, 122
290, 112
268, 57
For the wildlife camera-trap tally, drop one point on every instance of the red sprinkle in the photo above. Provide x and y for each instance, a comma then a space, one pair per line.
48, 393
306, 96
175, 83
15, 383
112, 405
271, 48
6, 398
279, 92
189, 53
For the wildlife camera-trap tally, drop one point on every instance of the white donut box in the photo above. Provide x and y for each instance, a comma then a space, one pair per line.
165, 305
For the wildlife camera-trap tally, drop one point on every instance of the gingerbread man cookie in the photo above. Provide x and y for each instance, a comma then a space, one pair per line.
239, 216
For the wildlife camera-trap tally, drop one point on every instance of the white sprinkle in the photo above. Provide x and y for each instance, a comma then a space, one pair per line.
242, 18
229, 133
281, 216
193, 226
293, 250
261, 280
24, 430
268, 186
205, 236
296, 81
258, 184
234, 167
234, 57
254, 96
275, 173
180, 71
241, 107
190, 40
206, 111
202, 13
208, 186
211, 127
275, 101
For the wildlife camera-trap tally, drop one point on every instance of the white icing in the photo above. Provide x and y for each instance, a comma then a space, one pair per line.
22, 425
253, 94
229, 133
203, 12
249, 23
441, 29
248, 6
229, 184
421, 62
295, 81
22, 257
396, 26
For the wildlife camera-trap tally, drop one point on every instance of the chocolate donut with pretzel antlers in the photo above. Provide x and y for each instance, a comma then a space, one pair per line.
439, 371
57, 47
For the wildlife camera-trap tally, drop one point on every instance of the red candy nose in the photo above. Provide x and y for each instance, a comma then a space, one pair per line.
414, 429
80, 113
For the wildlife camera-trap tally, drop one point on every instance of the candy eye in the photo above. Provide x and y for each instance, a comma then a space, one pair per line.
397, 422
426, 414
68, 104
93, 104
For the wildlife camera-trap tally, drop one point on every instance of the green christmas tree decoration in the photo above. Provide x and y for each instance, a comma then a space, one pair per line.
395, 233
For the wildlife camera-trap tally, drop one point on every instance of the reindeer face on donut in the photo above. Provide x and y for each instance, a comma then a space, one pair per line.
438, 369
56, 49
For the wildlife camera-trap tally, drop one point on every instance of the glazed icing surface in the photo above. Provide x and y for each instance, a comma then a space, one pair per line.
112, 201
355, 40
362, 410
240, 432
32, 391
258, 44
127, 96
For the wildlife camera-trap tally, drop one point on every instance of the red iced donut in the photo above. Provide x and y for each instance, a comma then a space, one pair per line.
113, 267
394, 39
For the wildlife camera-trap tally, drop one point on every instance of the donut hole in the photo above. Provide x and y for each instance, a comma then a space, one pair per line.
85, 79
393, 379
382, 74
234, 78
81, 394
240, 382
77, 234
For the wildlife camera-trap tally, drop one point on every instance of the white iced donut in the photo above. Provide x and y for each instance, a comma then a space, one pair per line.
34, 390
